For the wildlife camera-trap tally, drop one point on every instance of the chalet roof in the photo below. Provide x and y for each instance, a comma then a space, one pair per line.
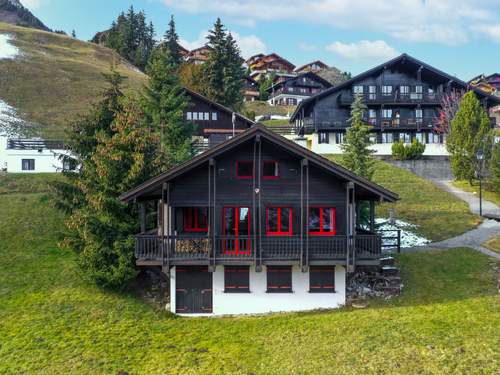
317, 62
265, 59
304, 104
218, 106
376, 191
312, 75
34, 144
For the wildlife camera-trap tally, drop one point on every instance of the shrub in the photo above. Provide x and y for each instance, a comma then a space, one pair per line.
408, 152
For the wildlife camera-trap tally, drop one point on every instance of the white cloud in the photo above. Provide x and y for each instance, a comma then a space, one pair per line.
364, 49
449, 22
249, 44
306, 47
492, 31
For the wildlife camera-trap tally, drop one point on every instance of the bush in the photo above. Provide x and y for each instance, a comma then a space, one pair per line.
495, 169
408, 152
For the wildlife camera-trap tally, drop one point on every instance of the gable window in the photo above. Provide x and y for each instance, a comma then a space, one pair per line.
322, 279
322, 221
357, 89
244, 169
236, 279
214, 116
386, 90
279, 279
279, 221
323, 138
28, 164
270, 170
195, 219
189, 115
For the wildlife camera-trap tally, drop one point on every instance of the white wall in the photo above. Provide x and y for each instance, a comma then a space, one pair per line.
258, 301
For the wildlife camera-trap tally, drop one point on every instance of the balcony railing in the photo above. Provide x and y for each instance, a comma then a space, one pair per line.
183, 248
378, 123
393, 98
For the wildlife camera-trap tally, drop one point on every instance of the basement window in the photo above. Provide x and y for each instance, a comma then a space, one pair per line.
279, 279
236, 279
28, 164
322, 279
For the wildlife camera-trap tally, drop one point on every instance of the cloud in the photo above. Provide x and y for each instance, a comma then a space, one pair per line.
364, 49
450, 22
492, 31
249, 44
306, 47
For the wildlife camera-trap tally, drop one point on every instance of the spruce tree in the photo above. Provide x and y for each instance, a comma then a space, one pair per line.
357, 156
215, 66
172, 43
470, 131
234, 74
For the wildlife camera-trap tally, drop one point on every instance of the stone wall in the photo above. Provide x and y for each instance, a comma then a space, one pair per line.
431, 167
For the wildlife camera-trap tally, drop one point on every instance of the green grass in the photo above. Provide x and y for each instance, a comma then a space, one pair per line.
438, 214
262, 108
493, 244
52, 322
27, 183
272, 123
487, 195
56, 77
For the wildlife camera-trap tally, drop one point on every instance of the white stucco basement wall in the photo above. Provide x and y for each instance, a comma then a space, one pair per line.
258, 301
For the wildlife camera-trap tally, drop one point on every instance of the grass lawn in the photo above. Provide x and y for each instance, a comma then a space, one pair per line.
493, 244
272, 123
262, 108
56, 77
487, 195
438, 214
52, 322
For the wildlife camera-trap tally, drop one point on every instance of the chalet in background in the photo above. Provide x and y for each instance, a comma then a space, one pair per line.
257, 224
198, 55
315, 66
403, 96
292, 91
250, 90
263, 65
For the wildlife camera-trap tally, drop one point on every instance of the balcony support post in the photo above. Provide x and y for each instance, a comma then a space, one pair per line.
142, 216
211, 215
164, 223
304, 212
372, 216
257, 193
351, 228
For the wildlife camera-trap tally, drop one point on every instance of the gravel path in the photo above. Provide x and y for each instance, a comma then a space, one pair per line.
473, 238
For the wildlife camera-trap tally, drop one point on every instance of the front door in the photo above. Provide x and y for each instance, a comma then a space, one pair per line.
236, 230
193, 286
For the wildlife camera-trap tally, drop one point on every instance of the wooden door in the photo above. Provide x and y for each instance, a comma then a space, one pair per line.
193, 286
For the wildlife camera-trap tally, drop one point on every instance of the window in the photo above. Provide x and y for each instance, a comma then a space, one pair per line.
372, 138
417, 94
236, 279
195, 219
28, 164
189, 115
372, 116
236, 230
279, 279
404, 90
244, 169
434, 138
387, 113
195, 115
339, 138
69, 164
386, 90
358, 89
418, 113
270, 170
387, 137
322, 279
406, 137
207, 116
322, 221
214, 116
279, 221
372, 92
323, 138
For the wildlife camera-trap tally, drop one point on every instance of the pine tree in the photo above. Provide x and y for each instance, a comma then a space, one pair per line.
215, 66
172, 43
357, 156
73, 34
470, 131
234, 74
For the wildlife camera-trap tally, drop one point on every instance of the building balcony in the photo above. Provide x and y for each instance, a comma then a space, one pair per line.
151, 249
377, 123
347, 98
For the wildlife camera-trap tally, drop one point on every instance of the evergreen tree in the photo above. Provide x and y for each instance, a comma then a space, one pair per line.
234, 74
470, 131
172, 43
215, 66
357, 156
73, 34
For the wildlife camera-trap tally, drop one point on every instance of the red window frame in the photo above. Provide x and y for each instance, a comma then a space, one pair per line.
236, 248
276, 164
188, 214
244, 177
279, 232
333, 221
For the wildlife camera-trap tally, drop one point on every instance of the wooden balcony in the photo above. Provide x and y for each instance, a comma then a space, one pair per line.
347, 98
184, 249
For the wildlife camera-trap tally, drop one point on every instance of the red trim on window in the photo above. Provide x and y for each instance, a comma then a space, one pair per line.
191, 219
276, 165
333, 221
236, 248
279, 232
244, 177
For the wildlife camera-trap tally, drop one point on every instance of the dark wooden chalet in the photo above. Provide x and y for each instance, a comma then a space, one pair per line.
291, 91
314, 67
403, 97
257, 199
250, 90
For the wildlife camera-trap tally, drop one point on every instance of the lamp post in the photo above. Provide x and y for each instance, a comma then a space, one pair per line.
479, 158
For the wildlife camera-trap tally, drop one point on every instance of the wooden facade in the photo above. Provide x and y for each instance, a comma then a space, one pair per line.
258, 199
314, 67
291, 91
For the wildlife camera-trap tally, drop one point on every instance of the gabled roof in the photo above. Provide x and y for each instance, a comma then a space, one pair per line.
229, 111
404, 57
317, 62
265, 59
312, 75
325, 164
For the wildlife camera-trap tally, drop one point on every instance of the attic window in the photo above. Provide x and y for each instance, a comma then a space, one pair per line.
244, 169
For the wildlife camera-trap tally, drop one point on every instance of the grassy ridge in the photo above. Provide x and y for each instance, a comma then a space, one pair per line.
51, 321
56, 77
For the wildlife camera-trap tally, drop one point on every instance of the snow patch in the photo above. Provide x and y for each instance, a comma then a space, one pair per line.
10, 123
7, 50
408, 236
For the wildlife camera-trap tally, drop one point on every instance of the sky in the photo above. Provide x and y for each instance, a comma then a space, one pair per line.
460, 37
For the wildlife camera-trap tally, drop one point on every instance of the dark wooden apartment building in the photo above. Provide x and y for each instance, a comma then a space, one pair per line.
257, 224
291, 91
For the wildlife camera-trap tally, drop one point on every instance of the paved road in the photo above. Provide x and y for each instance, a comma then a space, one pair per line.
473, 238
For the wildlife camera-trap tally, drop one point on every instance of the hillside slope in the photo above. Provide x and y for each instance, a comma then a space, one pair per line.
54, 77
